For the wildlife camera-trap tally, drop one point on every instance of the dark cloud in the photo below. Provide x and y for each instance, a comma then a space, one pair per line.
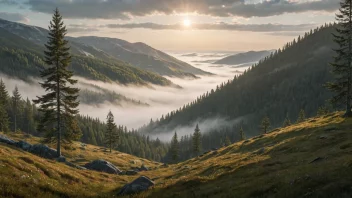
124, 9
13, 17
217, 26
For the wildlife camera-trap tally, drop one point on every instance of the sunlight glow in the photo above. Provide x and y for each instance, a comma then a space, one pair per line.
187, 23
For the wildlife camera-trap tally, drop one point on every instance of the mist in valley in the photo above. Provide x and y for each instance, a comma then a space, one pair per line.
160, 100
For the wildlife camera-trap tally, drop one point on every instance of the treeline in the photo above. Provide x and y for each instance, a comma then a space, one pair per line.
22, 113
279, 87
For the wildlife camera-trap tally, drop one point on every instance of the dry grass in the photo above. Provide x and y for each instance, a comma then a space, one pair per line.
278, 164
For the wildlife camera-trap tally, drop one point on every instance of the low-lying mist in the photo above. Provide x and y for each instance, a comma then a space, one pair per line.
161, 100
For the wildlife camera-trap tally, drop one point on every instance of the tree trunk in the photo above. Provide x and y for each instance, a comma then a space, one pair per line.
348, 102
58, 112
15, 123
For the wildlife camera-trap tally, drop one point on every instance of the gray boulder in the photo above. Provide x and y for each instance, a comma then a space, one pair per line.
102, 166
24, 145
43, 151
7, 140
141, 184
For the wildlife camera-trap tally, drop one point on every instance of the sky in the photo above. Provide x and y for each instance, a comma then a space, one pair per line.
181, 25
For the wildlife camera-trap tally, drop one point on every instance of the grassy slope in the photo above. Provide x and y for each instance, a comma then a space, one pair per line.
282, 170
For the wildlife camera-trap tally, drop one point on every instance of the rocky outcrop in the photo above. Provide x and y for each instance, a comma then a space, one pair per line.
141, 184
102, 166
43, 151
24, 145
6, 140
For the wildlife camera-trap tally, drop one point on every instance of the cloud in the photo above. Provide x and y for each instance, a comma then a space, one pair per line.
13, 17
125, 9
217, 26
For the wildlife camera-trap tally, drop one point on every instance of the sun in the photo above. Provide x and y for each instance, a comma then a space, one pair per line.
187, 23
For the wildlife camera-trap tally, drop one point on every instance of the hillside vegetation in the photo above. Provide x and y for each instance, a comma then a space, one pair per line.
22, 58
281, 85
311, 159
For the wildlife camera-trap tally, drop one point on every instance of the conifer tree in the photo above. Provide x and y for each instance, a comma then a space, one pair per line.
342, 65
4, 94
287, 122
29, 117
227, 141
301, 116
242, 135
196, 138
16, 99
59, 104
265, 124
111, 134
174, 148
4, 118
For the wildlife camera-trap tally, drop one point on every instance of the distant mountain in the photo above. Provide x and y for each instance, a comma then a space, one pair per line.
242, 58
280, 85
22, 57
142, 56
111, 50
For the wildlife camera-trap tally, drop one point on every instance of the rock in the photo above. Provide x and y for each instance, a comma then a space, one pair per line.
43, 151
7, 140
102, 166
24, 145
131, 172
75, 166
143, 168
61, 159
141, 184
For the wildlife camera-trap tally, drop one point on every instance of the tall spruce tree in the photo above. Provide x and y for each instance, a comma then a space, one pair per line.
111, 133
341, 67
59, 105
196, 138
4, 118
16, 105
174, 148
265, 124
29, 117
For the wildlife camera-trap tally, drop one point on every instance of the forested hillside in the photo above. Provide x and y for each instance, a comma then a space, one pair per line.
28, 117
111, 50
22, 58
280, 86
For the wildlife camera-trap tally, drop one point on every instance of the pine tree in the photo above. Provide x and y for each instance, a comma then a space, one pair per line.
242, 135
341, 67
111, 134
227, 141
29, 117
265, 124
4, 118
301, 116
4, 95
196, 138
16, 99
59, 105
174, 148
287, 122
